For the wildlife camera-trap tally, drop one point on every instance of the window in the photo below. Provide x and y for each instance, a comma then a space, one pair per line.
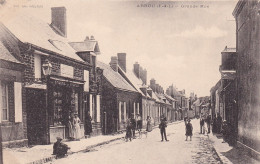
4, 101
37, 66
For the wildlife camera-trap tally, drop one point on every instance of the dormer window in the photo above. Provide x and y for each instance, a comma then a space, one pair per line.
57, 44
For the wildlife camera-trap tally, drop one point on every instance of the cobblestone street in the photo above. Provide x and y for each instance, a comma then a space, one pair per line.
200, 150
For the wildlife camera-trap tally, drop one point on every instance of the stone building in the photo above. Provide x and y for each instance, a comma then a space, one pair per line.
54, 78
12, 113
88, 50
246, 14
119, 98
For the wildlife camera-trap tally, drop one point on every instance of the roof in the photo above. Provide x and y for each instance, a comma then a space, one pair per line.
9, 49
6, 55
114, 77
136, 82
86, 46
169, 97
29, 29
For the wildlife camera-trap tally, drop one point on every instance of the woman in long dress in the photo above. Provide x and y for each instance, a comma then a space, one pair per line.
149, 125
76, 123
71, 128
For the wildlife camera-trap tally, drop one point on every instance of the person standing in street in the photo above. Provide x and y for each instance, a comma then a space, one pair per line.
208, 123
88, 125
162, 127
139, 124
149, 125
133, 124
128, 135
202, 125
189, 130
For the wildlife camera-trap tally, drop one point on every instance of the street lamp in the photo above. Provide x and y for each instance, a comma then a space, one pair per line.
46, 69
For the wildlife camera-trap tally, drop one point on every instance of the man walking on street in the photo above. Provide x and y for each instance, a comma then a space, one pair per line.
162, 127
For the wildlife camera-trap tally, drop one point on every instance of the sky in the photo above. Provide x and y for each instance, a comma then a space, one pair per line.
176, 44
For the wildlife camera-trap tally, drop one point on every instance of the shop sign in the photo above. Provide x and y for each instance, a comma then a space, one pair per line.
66, 71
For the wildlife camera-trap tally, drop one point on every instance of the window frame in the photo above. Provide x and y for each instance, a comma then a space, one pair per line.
7, 101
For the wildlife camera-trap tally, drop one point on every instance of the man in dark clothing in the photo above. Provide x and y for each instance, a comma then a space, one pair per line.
202, 126
219, 123
60, 149
133, 124
208, 122
162, 127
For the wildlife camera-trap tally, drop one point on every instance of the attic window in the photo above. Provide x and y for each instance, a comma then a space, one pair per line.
57, 44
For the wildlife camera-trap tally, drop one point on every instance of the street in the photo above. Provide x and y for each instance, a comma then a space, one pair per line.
152, 150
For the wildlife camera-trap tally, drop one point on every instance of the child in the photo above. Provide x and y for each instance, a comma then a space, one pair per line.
60, 149
189, 130
128, 131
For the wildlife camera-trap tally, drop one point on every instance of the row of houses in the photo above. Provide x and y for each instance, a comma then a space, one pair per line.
235, 97
45, 79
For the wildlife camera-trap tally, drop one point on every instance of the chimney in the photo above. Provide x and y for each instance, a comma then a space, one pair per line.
92, 37
157, 88
122, 60
137, 70
143, 75
87, 38
58, 20
152, 84
113, 63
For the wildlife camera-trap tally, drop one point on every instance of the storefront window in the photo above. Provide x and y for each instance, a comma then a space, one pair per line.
57, 120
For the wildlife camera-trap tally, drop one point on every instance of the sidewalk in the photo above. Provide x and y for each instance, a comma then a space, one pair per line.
42, 153
229, 154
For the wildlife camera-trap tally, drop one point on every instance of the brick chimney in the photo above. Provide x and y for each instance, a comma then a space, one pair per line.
59, 21
114, 63
137, 70
152, 84
157, 88
122, 60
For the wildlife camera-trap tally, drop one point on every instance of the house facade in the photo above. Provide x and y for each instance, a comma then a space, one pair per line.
88, 50
246, 14
54, 79
12, 113
119, 98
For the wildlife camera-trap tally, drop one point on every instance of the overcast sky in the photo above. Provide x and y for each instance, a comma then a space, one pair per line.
177, 45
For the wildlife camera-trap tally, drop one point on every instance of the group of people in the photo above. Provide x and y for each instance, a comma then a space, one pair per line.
134, 124
74, 127
205, 123
60, 149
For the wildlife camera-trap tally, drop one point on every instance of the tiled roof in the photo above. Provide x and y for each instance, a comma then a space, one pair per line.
86, 46
29, 29
114, 77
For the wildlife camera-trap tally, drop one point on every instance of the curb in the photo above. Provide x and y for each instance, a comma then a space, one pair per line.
50, 158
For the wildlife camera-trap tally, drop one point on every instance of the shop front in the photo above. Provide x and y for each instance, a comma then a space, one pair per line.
64, 100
